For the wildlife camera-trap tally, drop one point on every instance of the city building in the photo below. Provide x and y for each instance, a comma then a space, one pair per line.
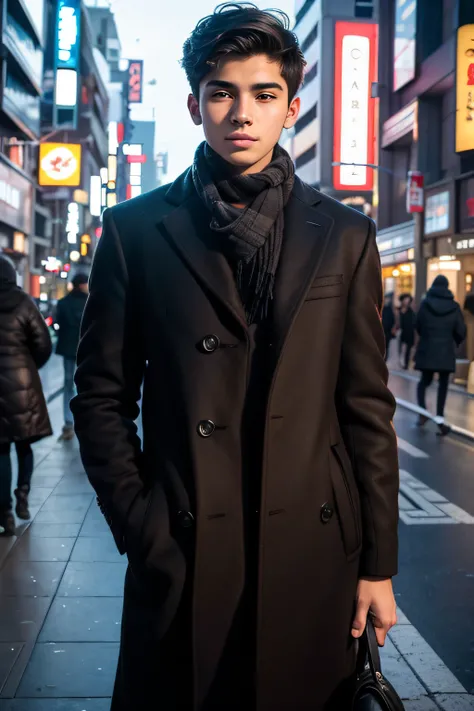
74, 123
143, 134
426, 102
336, 125
23, 37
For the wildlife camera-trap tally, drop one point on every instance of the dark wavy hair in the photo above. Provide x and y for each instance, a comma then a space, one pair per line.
243, 29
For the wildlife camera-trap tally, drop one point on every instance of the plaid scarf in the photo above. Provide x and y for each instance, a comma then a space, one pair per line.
254, 234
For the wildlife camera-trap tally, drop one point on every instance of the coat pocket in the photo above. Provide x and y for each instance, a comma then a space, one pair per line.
326, 287
347, 500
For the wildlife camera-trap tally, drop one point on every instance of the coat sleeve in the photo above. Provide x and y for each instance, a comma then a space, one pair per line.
365, 410
39, 340
460, 330
108, 378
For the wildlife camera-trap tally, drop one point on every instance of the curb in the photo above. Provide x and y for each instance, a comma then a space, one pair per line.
420, 411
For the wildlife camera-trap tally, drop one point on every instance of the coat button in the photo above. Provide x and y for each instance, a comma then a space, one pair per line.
185, 519
326, 513
206, 428
210, 343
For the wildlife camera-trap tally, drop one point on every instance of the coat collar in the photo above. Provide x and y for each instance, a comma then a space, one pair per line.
307, 230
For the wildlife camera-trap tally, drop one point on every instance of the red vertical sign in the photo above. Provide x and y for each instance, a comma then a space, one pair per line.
355, 68
135, 81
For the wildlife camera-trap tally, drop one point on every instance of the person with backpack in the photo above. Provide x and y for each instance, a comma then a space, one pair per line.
25, 346
441, 328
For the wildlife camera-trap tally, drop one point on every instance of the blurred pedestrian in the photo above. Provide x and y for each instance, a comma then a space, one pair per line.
25, 346
68, 317
441, 328
253, 323
407, 323
389, 322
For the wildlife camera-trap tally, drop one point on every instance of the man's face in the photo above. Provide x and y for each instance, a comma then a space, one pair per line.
243, 107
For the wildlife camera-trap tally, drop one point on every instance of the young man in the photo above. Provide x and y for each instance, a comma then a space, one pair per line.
69, 313
260, 515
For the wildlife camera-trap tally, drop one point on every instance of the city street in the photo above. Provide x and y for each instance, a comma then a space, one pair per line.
61, 581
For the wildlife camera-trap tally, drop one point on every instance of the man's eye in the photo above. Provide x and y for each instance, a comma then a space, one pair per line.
266, 97
221, 95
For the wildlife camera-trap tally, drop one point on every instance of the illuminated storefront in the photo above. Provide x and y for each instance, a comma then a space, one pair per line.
397, 254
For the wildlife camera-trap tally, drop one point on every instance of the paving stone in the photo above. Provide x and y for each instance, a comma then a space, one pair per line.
54, 705
96, 550
66, 670
60, 516
422, 704
399, 673
9, 652
48, 481
94, 527
83, 619
43, 549
455, 702
72, 502
53, 530
30, 578
21, 618
93, 580
76, 484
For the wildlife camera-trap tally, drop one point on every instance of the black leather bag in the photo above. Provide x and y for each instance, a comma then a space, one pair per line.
373, 692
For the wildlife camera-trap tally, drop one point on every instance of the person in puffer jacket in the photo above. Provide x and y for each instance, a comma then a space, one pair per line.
440, 325
25, 346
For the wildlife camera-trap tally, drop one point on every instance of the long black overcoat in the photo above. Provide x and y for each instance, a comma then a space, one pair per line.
164, 307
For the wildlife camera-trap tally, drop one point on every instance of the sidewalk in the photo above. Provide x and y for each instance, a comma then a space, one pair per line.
61, 585
459, 408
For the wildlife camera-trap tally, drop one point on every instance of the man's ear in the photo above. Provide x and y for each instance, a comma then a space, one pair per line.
193, 108
293, 113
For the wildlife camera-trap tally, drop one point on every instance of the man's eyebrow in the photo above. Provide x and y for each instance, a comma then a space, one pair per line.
262, 86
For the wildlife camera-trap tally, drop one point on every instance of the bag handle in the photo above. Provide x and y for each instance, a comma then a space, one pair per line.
369, 651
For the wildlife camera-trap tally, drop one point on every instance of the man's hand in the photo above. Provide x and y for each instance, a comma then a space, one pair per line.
376, 596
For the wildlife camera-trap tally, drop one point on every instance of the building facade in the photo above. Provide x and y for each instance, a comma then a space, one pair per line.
23, 37
426, 95
333, 141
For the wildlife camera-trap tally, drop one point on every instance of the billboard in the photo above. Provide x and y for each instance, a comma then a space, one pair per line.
135, 81
404, 45
465, 89
355, 69
68, 26
60, 164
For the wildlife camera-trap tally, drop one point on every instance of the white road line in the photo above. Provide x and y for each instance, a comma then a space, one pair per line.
418, 674
420, 505
411, 449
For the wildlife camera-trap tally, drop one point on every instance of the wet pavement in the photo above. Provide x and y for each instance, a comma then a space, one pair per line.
61, 582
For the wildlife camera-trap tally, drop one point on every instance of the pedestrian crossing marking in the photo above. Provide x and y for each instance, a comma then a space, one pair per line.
411, 449
418, 504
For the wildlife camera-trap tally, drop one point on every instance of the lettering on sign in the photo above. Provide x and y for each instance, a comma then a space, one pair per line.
135, 81
465, 244
67, 34
465, 89
353, 107
72, 224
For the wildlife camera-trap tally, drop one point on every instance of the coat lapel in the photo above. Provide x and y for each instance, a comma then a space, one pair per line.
307, 232
187, 227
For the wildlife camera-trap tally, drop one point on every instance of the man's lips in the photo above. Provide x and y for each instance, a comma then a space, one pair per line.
240, 137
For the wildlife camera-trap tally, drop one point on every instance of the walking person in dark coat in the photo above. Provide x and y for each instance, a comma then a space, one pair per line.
441, 328
259, 513
407, 323
389, 322
69, 313
25, 346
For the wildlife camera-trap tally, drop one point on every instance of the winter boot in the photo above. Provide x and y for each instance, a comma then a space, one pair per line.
67, 433
22, 510
7, 523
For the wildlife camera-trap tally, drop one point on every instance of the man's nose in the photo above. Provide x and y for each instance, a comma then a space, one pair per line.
241, 114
